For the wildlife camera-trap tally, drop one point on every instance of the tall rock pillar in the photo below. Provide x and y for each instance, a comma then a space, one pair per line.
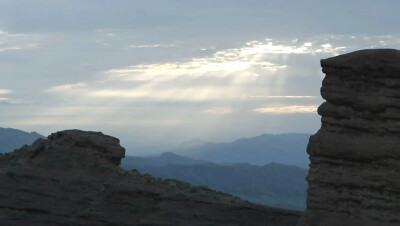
354, 176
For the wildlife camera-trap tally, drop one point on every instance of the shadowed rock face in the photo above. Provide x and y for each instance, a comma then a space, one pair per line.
74, 178
354, 176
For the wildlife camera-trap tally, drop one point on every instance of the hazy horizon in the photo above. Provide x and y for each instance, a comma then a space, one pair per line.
156, 72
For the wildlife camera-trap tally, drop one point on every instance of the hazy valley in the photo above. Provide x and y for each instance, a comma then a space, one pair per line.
272, 184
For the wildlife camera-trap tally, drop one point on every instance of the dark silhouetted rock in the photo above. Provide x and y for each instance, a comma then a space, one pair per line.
73, 178
354, 176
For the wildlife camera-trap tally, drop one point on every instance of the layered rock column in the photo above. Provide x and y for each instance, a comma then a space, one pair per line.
354, 176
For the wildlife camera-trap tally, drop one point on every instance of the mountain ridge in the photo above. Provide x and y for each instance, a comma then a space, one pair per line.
273, 184
288, 148
11, 139
73, 178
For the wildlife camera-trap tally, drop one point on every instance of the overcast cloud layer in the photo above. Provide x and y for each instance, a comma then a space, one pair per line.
162, 72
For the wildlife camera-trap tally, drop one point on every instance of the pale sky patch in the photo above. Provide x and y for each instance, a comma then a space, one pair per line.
67, 87
10, 48
218, 111
285, 97
48, 121
257, 47
5, 91
296, 109
171, 93
195, 68
103, 43
27, 46
326, 46
151, 46
17, 41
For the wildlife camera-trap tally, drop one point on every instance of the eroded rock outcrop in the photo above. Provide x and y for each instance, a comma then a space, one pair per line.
354, 176
74, 178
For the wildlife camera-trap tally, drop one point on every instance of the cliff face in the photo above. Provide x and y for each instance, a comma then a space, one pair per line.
74, 178
354, 176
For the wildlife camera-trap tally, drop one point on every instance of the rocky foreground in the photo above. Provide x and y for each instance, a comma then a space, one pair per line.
74, 178
354, 176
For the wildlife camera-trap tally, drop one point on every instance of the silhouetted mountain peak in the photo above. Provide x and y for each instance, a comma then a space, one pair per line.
169, 155
11, 139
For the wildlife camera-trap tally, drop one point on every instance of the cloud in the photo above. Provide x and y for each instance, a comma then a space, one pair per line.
258, 47
152, 46
6, 98
218, 111
12, 101
66, 88
232, 72
217, 66
266, 70
284, 97
222, 75
295, 47
150, 65
164, 94
246, 85
254, 55
5, 91
295, 109
18, 41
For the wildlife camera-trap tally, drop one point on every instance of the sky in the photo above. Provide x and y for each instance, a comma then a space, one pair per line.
158, 73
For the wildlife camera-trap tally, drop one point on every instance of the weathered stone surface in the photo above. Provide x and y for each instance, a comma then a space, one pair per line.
73, 178
354, 176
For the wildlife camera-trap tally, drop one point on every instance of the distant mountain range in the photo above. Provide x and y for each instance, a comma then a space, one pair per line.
273, 184
11, 139
164, 159
288, 149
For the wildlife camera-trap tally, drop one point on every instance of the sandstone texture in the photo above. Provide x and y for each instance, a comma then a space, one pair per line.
354, 176
73, 178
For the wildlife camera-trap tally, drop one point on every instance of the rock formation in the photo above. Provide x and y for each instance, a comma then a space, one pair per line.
354, 176
74, 178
